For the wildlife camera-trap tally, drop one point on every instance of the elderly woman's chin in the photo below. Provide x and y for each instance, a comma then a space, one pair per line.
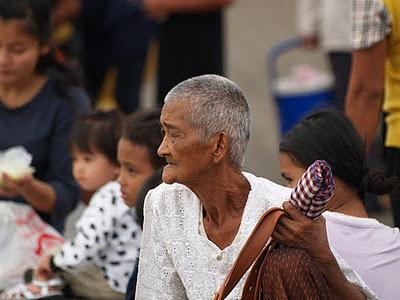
169, 174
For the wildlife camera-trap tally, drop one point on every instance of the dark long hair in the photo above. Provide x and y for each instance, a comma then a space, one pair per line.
330, 136
36, 15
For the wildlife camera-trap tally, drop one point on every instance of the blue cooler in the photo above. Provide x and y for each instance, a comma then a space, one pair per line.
296, 98
293, 107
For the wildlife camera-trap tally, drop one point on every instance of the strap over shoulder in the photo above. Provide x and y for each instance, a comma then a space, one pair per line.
254, 245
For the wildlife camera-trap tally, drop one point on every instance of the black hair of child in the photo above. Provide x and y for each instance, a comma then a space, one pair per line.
329, 135
98, 131
143, 128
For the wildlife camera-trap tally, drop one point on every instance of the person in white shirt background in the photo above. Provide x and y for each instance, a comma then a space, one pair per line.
196, 222
371, 248
327, 24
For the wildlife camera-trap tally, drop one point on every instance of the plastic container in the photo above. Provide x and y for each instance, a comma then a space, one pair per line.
304, 90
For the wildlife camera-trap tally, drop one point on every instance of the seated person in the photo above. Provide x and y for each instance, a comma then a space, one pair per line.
38, 105
98, 261
197, 221
137, 154
371, 248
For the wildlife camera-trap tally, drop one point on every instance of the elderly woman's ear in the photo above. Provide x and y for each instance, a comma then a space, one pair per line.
220, 146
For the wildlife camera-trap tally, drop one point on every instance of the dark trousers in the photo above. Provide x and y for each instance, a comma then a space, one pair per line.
129, 79
190, 45
393, 169
341, 65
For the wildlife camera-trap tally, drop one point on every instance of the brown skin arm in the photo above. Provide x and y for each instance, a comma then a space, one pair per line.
163, 7
310, 235
366, 90
37, 193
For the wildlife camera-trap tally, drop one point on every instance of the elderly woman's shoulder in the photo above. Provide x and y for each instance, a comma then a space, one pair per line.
267, 188
170, 193
264, 183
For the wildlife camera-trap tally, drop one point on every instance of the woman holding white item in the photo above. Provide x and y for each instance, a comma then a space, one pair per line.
37, 109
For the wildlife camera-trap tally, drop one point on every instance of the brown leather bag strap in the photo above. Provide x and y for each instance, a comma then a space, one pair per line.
250, 251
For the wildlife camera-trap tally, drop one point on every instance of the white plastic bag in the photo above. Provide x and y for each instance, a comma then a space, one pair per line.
15, 162
24, 237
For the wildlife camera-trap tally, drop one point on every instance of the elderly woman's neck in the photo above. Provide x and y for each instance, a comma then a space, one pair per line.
224, 196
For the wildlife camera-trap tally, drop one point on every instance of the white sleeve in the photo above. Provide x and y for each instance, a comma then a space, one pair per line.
157, 277
353, 277
308, 16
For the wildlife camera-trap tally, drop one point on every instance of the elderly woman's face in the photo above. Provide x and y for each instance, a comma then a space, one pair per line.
188, 158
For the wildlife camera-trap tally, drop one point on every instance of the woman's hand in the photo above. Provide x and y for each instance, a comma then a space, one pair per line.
12, 188
297, 230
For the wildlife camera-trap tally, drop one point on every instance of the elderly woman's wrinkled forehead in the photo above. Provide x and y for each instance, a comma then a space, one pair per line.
180, 108
176, 114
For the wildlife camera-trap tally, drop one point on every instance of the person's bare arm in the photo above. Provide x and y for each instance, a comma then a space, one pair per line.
366, 90
162, 7
37, 193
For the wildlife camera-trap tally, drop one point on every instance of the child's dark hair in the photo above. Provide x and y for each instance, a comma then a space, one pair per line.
151, 183
36, 14
143, 128
330, 136
98, 131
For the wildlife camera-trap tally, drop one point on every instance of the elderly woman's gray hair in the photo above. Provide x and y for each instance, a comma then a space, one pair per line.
216, 104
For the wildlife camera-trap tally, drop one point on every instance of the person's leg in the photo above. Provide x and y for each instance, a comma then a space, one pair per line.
190, 45
290, 273
341, 66
129, 79
393, 169
90, 283
94, 74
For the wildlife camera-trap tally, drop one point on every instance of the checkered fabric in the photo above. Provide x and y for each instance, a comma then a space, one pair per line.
371, 23
314, 189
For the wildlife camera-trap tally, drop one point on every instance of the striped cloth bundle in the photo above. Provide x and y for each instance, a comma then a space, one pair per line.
314, 189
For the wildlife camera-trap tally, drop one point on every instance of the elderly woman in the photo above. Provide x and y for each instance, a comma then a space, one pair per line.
197, 221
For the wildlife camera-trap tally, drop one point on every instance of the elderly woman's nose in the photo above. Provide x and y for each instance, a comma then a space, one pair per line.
162, 149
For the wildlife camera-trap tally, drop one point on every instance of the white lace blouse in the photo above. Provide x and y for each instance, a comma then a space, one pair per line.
178, 262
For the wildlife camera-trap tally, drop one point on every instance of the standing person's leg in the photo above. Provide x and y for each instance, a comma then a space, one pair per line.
129, 80
393, 169
190, 45
94, 73
341, 66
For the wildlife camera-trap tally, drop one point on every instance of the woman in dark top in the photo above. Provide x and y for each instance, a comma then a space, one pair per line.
37, 108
